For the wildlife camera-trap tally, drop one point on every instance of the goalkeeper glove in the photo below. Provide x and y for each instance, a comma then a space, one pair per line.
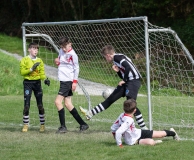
47, 82
34, 66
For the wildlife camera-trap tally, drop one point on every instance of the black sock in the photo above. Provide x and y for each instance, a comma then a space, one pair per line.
169, 133
62, 117
77, 117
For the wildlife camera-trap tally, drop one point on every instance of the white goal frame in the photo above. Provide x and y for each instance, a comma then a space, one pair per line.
146, 33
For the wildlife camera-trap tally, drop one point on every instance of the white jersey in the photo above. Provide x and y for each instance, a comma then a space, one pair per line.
68, 69
124, 127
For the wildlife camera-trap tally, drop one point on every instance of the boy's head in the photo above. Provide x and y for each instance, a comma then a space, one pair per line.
65, 44
129, 106
33, 49
108, 51
33, 45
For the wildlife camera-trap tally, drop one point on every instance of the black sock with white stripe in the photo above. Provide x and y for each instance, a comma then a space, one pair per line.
26, 119
139, 118
99, 108
42, 120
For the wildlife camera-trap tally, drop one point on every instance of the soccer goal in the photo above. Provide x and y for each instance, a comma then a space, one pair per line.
166, 96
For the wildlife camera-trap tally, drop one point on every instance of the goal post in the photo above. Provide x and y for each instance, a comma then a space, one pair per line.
166, 95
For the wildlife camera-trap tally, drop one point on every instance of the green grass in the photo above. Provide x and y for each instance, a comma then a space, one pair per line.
97, 142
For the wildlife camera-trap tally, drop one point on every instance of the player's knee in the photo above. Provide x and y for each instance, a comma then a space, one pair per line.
26, 110
57, 103
39, 95
68, 104
151, 142
41, 109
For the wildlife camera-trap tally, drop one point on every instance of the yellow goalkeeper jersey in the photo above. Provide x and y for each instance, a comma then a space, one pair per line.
26, 64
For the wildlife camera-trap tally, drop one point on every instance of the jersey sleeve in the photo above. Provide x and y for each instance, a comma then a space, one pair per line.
119, 74
115, 126
24, 69
123, 128
76, 67
42, 70
127, 70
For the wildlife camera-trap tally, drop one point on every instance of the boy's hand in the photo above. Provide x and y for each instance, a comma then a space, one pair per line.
47, 82
121, 83
115, 68
35, 66
74, 85
57, 62
121, 146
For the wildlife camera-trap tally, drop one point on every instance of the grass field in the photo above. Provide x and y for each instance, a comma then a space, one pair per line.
95, 143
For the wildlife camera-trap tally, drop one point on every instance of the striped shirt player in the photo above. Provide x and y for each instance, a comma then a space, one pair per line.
32, 70
68, 71
128, 86
127, 70
124, 128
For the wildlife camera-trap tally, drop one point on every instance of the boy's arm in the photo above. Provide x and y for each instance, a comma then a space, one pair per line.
24, 70
76, 68
42, 70
119, 74
118, 135
116, 69
114, 127
127, 70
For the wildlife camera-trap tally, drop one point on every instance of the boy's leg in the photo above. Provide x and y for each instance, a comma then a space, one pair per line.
75, 114
38, 94
27, 97
61, 113
166, 133
139, 119
147, 141
146, 138
117, 93
132, 88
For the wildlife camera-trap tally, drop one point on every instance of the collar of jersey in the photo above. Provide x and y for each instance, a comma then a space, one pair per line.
69, 50
125, 114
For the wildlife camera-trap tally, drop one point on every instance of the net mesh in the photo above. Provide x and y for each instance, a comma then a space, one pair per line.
171, 71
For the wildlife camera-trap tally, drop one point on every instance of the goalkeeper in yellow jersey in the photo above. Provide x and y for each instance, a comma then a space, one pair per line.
32, 69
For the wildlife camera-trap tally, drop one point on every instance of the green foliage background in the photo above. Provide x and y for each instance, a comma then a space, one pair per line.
177, 14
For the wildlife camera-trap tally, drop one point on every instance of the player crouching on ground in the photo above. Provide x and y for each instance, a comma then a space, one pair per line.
124, 127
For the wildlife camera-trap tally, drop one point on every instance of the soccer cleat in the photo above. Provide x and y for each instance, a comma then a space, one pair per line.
144, 128
25, 128
86, 113
61, 129
158, 141
176, 137
42, 128
83, 127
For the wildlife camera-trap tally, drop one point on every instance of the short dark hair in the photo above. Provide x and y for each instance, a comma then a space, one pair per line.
63, 41
33, 45
108, 49
129, 105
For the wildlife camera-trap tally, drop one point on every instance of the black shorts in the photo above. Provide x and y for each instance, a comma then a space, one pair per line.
65, 89
132, 88
145, 134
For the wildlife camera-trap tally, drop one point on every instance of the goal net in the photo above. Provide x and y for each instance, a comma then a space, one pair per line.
166, 95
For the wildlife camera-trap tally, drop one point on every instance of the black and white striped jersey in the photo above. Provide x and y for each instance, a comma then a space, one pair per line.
127, 70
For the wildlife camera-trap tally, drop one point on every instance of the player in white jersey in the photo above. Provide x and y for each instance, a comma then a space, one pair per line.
128, 86
68, 71
124, 127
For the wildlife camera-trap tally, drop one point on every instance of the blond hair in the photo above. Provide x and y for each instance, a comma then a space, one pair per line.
108, 49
